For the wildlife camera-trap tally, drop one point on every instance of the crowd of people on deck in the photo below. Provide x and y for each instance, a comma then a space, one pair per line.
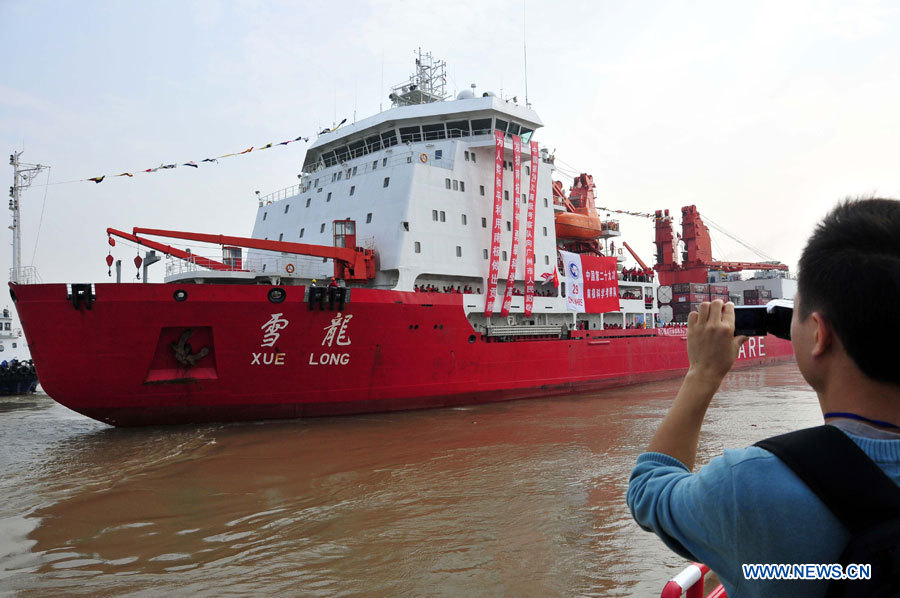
637, 274
430, 288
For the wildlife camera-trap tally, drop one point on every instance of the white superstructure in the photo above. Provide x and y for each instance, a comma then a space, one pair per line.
418, 181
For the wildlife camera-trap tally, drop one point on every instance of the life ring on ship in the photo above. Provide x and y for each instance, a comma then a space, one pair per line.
289, 268
423, 158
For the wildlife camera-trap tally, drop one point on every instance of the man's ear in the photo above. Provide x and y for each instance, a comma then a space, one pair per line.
824, 334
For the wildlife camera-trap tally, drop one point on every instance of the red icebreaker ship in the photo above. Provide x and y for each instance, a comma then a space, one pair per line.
417, 265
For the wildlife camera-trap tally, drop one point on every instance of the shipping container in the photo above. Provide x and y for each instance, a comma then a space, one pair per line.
685, 308
755, 301
718, 289
757, 293
689, 298
699, 287
721, 297
681, 287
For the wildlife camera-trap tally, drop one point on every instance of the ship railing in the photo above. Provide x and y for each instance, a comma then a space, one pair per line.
25, 275
513, 331
689, 583
285, 193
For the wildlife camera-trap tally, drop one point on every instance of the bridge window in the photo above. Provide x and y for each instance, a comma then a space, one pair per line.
501, 125
526, 135
459, 128
373, 143
410, 134
513, 129
389, 138
434, 132
342, 154
357, 149
481, 126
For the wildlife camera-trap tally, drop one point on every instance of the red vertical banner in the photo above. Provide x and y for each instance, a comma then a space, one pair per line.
496, 227
529, 231
514, 251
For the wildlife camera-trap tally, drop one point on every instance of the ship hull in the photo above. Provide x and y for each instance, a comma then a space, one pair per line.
136, 355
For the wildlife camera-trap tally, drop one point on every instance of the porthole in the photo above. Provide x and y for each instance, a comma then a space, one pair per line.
471, 338
180, 295
277, 295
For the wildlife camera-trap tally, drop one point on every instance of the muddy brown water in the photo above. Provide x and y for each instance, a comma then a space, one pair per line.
514, 499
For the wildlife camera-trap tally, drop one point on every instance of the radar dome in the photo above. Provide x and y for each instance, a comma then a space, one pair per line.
465, 94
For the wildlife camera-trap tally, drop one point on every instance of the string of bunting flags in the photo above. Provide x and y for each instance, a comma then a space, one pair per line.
630, 213
193, 164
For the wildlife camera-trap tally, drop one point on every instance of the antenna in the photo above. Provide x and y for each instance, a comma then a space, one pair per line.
525, 52
23, 174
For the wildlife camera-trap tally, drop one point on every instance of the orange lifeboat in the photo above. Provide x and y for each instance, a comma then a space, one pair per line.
580, 221
581, 227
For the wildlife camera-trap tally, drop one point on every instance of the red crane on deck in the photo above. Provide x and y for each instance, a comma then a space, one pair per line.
350, 262
697, 257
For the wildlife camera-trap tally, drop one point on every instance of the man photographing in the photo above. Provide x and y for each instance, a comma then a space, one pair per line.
748, 506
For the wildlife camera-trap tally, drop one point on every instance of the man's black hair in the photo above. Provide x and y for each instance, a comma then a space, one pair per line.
850, 272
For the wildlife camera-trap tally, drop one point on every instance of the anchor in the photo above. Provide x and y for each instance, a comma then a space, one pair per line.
183, 350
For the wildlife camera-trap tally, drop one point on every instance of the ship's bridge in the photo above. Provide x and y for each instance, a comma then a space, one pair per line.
467, 117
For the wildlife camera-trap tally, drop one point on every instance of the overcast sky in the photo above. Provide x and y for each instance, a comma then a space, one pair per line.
763, 114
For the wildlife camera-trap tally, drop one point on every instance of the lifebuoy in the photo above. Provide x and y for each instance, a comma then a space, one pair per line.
423, 158
289, 268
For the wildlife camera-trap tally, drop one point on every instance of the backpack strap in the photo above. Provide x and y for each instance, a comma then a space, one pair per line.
840, 473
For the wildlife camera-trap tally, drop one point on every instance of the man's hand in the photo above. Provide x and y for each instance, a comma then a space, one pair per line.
712, 349
711, 344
